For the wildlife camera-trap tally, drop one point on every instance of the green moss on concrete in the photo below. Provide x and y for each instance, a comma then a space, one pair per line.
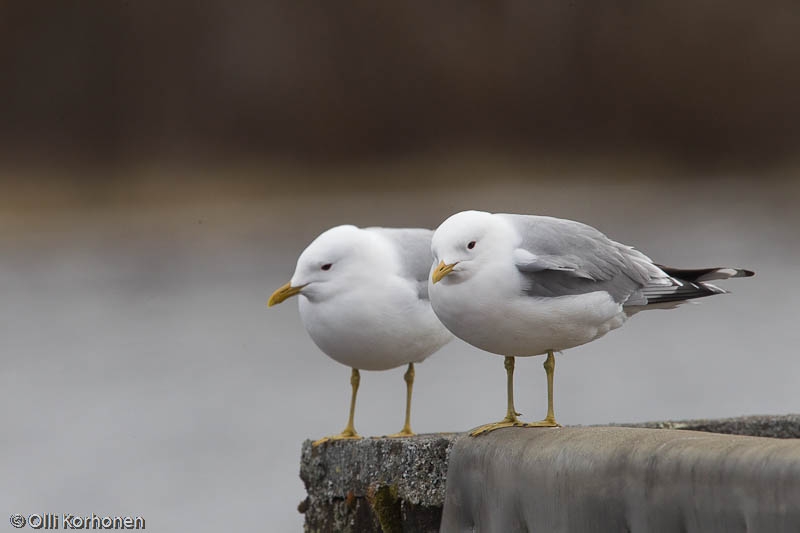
385, 504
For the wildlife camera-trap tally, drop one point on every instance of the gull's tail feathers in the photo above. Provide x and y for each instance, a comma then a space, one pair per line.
681, 285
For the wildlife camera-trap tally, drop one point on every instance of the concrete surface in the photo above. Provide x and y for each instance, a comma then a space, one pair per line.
376, 484
572, 479
781, 427
622, 479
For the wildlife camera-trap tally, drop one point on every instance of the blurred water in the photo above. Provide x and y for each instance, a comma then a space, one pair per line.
143, 373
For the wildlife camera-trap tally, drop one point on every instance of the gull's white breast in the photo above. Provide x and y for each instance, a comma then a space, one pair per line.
490, 311
374, 327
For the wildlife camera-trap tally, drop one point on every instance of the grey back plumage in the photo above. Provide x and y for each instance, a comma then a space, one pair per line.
570, 258
414, 251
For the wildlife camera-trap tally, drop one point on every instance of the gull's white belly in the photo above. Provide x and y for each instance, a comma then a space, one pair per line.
372, 333
523, 325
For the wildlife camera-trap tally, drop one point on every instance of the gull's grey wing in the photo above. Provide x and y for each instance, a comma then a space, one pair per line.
561, 257
414, 250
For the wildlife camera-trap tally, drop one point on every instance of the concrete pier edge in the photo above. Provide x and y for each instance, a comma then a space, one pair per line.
393, 485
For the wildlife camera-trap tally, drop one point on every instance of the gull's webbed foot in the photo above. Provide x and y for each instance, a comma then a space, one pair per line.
548, 422
511, 423
344, 435
405, 432
488, 428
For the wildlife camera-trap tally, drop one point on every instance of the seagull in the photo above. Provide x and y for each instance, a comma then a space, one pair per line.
363, 299
525, 285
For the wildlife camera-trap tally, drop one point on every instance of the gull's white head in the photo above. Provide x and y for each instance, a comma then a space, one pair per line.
335, 261
466, 241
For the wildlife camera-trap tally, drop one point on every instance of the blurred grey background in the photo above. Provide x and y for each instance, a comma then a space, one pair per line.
163, 164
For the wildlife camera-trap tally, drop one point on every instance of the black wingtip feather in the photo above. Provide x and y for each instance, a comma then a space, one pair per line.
706, 274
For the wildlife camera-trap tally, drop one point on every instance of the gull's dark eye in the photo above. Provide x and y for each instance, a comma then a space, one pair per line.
326, 266
471, 245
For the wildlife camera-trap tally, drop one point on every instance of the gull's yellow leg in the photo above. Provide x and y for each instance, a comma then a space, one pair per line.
511, 419
409, 378
550, 419
349, 432
511, 413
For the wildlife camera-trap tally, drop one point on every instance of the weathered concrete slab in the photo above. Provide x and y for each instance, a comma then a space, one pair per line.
781, 427
399, 484
622, 479
376, 484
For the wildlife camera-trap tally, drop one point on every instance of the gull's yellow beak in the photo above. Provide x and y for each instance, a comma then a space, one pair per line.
441, 271
287, 291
